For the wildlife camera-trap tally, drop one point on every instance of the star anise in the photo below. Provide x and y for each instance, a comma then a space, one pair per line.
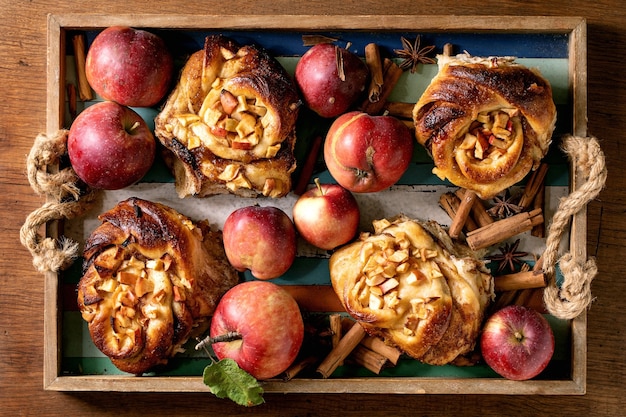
505, 206
413, 54
508, 257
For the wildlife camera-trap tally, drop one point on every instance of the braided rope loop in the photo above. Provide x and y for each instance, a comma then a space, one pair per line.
66, 199
573, 296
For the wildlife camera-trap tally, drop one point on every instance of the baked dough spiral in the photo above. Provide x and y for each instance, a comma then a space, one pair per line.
229, 123
410, 284
485, 121
150, 276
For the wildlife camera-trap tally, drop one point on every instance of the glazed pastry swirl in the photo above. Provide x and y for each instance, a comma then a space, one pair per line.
411, 285
230, 122
150, 277
485, 121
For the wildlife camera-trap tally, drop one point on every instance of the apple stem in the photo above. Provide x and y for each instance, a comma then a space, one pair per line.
519, 336
319, 186
133, 127
226, 337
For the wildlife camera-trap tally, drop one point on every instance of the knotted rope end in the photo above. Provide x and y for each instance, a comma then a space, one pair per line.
574, 294
67, 196
54, 255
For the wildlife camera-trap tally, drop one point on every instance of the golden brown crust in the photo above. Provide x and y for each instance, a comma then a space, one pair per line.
470, 286
230, 122
468, 95
150, 277
411, 285
346, 266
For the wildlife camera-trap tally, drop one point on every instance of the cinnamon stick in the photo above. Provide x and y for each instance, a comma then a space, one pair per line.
503, 299
533, 298
71, 100
369, 359
309, 166
530, 297
520, 281
462, 213
501, 230
335, 327
315, 298
345, 346
375, 65
298, 367
539, 264
84, 89
538, 203
408, 123
479, 213
376, 344
391, 75
399, 109
450, 202
535, 182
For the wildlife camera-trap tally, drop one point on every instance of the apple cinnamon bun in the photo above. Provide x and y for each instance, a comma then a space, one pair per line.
410, 284
150, 277
486, 122
229, 124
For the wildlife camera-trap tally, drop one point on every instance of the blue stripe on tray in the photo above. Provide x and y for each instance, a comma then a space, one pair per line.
526, 45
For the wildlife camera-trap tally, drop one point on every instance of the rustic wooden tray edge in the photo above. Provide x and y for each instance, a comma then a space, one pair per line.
574, 26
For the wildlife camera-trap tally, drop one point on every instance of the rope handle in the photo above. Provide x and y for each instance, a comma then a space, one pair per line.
67, 197
573, 296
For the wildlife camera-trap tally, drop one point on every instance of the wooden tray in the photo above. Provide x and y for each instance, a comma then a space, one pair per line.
569, 373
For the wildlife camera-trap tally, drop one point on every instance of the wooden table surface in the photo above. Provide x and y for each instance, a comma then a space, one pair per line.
22, 117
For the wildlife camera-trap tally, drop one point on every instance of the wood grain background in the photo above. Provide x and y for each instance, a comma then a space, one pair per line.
22, 117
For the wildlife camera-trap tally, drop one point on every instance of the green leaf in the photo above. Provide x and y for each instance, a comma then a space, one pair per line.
227, 380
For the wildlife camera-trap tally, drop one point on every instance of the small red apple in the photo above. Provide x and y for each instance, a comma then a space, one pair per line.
327, 215
330, 78
517, 342
367, 153
261, 239
110, 146
269, 323
130, 66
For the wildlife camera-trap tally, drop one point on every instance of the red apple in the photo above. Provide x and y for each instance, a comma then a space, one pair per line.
269, 323
130, 66
327, 215
326, 90
517, 342
261, 239
367, 153
110, 146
